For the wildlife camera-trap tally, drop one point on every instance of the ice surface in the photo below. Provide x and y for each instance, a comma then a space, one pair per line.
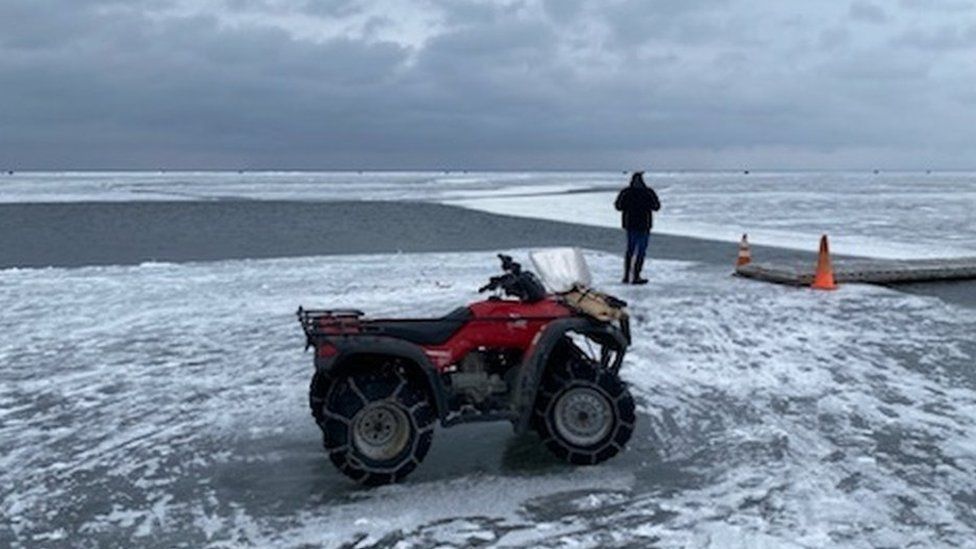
164, 405
887, 216
894, 215
135, 186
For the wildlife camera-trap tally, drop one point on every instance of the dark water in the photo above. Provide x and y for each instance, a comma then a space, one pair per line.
107, 233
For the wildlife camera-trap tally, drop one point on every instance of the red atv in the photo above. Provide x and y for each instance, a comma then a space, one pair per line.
549, 362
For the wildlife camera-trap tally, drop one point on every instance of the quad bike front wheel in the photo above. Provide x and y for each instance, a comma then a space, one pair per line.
377, 427
584, 413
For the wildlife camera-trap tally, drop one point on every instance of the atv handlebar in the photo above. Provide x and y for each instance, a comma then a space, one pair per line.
504, 282
512, 270
515, 282
509, 265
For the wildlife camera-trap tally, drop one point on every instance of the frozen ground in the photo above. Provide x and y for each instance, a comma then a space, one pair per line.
894, 215
137, 186
164, 405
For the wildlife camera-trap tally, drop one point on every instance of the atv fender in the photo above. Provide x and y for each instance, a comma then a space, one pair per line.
413, 355
537, 359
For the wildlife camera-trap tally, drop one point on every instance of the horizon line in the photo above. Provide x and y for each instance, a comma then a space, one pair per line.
744, 171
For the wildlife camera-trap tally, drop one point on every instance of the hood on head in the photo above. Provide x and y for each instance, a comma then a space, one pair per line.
637, 180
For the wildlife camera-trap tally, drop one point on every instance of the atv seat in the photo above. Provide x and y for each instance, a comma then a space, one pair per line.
424, 332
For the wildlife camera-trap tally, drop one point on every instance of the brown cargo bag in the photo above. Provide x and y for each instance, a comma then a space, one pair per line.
599, 305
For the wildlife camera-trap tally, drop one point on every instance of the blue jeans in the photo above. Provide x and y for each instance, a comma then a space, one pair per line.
637, 243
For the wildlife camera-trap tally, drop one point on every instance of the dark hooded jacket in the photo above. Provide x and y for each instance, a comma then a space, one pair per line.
637, 204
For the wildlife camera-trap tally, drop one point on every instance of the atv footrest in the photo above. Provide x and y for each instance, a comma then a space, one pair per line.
458, 418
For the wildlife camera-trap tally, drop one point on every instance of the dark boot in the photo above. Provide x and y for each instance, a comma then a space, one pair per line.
627, 261
638, 266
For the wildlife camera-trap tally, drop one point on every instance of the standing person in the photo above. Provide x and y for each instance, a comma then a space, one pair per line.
636, 203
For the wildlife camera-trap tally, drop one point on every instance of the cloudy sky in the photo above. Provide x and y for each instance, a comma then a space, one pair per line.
551, 84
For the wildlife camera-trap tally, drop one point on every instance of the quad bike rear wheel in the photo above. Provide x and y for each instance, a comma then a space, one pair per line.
584, 413
377, 427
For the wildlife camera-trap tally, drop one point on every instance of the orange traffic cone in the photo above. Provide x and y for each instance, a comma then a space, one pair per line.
824, 277
745, 255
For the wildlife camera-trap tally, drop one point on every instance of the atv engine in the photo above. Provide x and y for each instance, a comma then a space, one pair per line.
483, 373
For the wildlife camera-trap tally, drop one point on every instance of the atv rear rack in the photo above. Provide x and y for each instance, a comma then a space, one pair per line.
319, 322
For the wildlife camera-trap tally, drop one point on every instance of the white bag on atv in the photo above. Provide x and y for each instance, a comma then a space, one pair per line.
564, 272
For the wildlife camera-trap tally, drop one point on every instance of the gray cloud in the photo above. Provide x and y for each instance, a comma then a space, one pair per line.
475, 84
862, 10
946, 37
959, 6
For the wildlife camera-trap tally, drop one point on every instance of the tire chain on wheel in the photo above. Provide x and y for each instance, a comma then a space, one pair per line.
348, 395
579, 371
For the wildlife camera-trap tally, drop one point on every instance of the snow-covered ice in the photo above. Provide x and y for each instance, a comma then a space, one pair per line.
139, 186
895, 216
163, 405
